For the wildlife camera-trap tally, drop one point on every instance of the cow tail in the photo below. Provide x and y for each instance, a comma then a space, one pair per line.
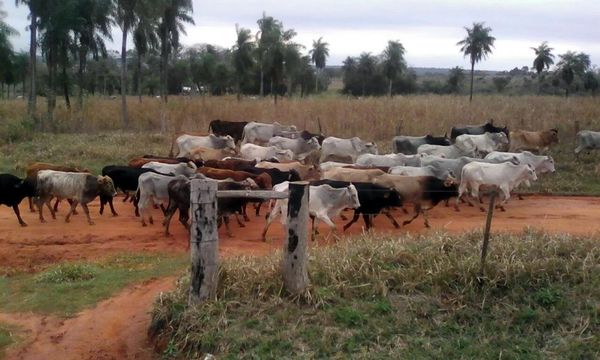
172, 145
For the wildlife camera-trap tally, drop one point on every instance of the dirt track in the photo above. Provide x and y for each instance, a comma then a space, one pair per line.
116, 328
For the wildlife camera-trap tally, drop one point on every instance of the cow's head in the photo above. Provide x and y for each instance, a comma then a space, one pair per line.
371, 148
530, 173
354, 202
106, 186
552, 136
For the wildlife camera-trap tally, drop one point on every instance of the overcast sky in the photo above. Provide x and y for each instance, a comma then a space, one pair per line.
428, 29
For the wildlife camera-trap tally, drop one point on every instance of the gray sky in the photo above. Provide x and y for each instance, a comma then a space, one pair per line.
428, 29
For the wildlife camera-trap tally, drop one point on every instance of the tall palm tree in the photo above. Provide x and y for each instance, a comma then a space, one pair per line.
393, 62
126, 18
6, 52
318, 55
572, 64
543, 59
267, 37
242, 56
174, 14
34, 6
477, 45
366, 69
145, 38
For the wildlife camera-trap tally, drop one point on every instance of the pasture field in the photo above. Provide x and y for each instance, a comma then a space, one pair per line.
100, 141
400, 298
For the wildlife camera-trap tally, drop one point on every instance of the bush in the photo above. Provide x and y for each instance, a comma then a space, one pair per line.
67, 273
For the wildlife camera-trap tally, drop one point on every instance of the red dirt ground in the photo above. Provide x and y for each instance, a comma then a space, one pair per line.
116, 328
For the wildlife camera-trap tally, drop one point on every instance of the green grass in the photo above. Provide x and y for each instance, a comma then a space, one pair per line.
7, 337
67, 288
401, 298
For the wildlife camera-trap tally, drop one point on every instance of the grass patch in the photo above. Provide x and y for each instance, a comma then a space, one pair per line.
408, 297
7, 337
66, 289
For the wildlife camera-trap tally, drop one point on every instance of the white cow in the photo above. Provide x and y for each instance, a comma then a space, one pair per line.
464, 148
336, 149
388, 160
587, 140
186, 143
185, 169
330, 165
485, 143
324, 203
428, 170
504, 177
260, 153
153, 189
260, 133
540, 163
300, 147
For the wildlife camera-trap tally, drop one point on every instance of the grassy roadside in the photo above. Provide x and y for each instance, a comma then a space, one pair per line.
401, 298
67, 288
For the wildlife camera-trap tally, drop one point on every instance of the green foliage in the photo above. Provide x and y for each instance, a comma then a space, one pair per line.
406, 297
501, 82
66, 273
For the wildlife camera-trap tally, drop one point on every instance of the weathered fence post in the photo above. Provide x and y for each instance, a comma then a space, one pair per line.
295, 274
204, 241
486, 233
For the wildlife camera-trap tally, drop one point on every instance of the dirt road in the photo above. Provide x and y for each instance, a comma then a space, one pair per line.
116, 328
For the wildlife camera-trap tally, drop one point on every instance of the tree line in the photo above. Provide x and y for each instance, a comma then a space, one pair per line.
71, 36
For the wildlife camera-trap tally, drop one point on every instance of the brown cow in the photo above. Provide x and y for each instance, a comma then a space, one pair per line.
353, 175
306, 172
263, 180
32, 170
521, 140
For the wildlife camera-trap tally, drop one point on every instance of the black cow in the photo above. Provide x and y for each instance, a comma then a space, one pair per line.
307, 135
235, 129
124, 178
13, 190
408, 145
179, 199
373, 199
477, 130
277, 177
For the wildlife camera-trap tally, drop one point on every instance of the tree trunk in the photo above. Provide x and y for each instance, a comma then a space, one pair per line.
390, 87
32, 101
139, 77
239, 91
567, 91
124, 116
163, 85
262, 82
82, 61
65, 83
539, 83
50, 97
316, 79
472, 76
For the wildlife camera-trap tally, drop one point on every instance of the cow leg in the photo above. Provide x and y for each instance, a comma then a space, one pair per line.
272, 215
31, 209
237, 218
355, 219
257, 207
56, 204
40, 206
520, 197
425, 217
416, 214
49, 206
102, 203
343, 217
388, 214
227, 228
126, 196
18, 213
87, 213
447, 201
168, 215
71, 210
246, 218
112, 208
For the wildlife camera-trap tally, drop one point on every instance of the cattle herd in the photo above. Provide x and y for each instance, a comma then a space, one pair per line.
343, 173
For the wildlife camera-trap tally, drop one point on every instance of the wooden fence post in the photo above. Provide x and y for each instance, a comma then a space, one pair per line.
295, 274
486, 233
204, 241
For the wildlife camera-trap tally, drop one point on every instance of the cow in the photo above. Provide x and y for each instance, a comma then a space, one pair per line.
485, 143
184, 169
389, 160
139, 162
408, 145
230, 163
374, 199
264, 181
464, 148
419, 190
299, 146
428, 170
587, 140
13, 190
204, 154
124, 178
185, 143
336, 149
32, 169
324, 202
532, 140
260, 133
477, 130
179, 199
80, 188
503, 177
235, 129
455, 165
306, 172
352, 175
153, 190
260, 153
307, 135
